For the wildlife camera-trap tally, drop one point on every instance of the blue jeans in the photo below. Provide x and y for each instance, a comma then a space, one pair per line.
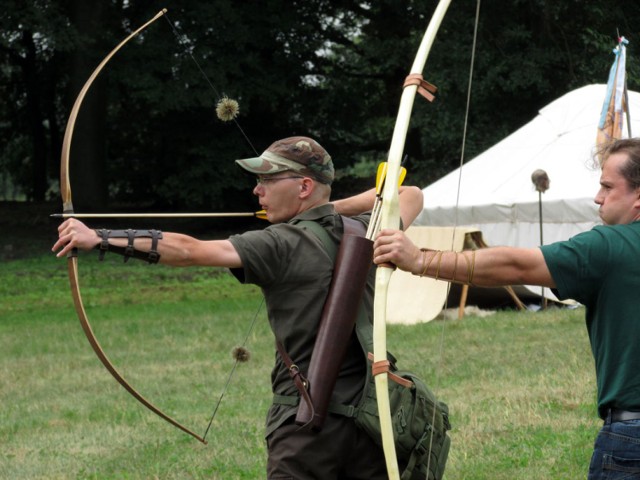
616, 452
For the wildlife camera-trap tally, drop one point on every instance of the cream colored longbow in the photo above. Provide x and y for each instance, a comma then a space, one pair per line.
390, 218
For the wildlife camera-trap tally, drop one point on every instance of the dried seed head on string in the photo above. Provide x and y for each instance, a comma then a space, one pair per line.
241, 354
227, 109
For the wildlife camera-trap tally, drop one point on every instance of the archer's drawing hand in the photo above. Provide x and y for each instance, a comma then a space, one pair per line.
72, 233
393, 246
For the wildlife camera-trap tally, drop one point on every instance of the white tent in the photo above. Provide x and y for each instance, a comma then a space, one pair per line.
498, 198
496, 193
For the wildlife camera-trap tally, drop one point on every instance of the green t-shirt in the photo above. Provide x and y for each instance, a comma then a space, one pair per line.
601, 269
294, 271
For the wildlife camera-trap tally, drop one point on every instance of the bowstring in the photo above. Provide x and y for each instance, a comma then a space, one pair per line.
233, 370
184, 40
440, 362
466, 115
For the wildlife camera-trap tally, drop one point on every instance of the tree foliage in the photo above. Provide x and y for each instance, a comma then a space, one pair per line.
148, 135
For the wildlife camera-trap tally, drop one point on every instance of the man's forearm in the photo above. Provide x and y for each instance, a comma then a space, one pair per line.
410, 199
356, 204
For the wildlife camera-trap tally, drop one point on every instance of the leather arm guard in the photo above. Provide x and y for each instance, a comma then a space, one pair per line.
152, 256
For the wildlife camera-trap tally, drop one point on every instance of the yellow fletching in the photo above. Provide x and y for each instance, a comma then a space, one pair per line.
381, 175
403, 174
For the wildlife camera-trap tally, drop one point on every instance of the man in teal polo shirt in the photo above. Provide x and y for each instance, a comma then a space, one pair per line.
600, 269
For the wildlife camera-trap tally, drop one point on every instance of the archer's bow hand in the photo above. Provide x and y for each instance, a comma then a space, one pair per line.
72, 233
393, 246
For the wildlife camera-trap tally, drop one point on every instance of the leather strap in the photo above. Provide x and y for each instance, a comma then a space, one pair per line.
294, 372
426, 89
385, 366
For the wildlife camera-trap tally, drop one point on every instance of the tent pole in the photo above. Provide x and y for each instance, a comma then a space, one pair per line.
626, 108
541, 181
543, 300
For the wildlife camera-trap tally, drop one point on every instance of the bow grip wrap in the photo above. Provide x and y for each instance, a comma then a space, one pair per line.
353, 262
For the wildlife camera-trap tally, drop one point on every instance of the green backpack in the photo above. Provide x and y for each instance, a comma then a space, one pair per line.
420, 422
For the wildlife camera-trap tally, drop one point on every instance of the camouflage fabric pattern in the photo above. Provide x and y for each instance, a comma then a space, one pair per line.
302, 155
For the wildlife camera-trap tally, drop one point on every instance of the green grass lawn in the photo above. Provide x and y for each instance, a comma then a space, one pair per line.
520, 385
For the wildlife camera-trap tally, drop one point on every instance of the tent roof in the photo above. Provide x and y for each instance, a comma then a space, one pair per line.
559, 140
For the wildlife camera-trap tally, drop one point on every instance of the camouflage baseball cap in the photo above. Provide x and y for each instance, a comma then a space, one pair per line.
302, 155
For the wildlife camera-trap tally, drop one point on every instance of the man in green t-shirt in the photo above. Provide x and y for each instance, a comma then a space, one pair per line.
294, 270
599, 268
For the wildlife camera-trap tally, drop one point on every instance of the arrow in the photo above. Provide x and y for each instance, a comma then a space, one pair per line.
261, 214
381, 176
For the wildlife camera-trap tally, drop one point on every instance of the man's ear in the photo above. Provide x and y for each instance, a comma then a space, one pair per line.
306, 187
636, 204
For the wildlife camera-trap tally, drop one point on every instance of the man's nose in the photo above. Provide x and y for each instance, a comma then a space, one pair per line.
598, 199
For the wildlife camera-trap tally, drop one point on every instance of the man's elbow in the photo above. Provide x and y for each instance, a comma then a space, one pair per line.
411, 204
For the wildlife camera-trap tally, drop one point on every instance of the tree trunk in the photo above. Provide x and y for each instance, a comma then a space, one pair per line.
38, 187
88, 148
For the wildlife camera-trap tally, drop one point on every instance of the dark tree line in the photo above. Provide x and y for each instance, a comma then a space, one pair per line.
148, 137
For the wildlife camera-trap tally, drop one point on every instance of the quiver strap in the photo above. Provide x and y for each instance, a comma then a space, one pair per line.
298, 378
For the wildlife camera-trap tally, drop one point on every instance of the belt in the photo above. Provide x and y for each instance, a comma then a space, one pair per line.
623, 415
